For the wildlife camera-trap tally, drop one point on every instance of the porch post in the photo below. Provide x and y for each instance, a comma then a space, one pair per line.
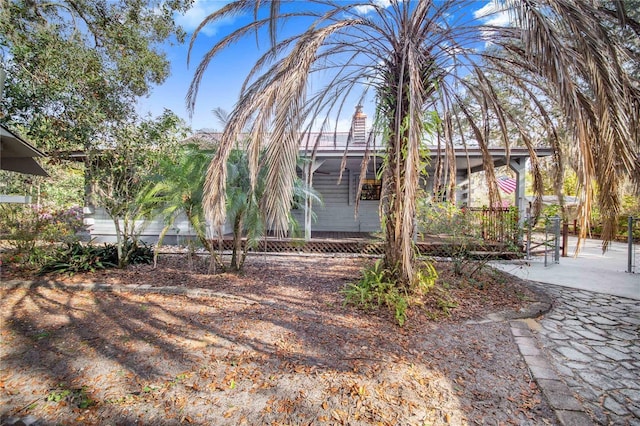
308, 180
518, 166
307, 172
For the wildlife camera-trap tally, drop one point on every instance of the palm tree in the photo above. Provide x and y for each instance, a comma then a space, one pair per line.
242, 207
177, 190
415, 58
243, 200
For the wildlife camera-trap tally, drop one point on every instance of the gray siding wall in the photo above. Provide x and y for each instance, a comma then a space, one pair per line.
337, 212
102, 229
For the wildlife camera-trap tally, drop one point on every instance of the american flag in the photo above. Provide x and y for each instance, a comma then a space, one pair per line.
507, 184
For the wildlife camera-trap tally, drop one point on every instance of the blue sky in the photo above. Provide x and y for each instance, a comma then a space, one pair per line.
221, 83
223, 79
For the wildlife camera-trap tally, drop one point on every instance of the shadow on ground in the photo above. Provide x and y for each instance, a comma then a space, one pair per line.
273, 351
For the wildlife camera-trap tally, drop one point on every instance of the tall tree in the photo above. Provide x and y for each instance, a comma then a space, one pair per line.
74, 66
415, 56
121, 171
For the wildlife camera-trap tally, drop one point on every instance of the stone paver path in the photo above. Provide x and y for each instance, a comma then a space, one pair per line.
593, 342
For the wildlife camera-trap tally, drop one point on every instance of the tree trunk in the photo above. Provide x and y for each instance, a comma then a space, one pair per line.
119, 242
399, 255
236, 264
206, 243
308, 204
400, 182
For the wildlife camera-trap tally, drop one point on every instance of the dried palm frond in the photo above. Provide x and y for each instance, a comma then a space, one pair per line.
567, 60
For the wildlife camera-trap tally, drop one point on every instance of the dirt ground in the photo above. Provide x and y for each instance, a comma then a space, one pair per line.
273, 346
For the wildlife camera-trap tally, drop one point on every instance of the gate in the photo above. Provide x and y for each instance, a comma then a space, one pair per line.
544, 241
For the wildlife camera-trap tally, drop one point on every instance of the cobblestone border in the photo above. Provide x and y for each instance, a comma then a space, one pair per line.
568, 409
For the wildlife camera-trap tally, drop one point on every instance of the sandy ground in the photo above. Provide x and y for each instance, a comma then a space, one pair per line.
273, 346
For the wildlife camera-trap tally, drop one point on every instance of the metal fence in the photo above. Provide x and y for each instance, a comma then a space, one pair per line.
545, 240
552, 240
633, 226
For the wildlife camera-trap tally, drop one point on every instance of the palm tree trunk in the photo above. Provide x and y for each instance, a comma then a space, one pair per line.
399, 255
236, 263
202, 237
402, 108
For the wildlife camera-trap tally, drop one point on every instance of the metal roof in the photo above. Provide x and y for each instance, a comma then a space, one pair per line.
17, 155
332, 148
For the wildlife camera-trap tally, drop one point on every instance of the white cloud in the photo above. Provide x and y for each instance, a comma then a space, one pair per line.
198, 12
343, 124
485, 10
364, 9
493, 14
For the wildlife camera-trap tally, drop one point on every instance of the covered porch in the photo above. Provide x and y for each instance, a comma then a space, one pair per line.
339, 189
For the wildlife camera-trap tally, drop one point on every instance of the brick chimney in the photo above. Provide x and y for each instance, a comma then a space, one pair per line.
358, 126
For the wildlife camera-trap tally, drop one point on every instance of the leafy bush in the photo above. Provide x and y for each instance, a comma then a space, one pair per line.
76, 257
33, 232
378, 287
445, 218
140, 252
548, 213
426, 277
468, 232
137, 252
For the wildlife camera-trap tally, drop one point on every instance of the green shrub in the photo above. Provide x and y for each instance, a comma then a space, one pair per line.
76, 257
378, 287
141, 252
426, 278
468, 232
33, 232
136, 252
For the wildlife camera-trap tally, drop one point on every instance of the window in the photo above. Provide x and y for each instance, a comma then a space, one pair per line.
371, 189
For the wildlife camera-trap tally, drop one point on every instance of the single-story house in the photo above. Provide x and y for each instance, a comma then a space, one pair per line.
337, 213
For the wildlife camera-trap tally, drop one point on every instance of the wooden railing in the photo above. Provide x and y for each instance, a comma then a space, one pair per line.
499, 225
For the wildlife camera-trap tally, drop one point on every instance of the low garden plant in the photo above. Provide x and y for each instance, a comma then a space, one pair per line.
33, 232
43, 239
76, 257
378, 288
465, 233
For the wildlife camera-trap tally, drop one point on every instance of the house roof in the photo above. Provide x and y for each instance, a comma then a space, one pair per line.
332, 147
467, 159
17, 155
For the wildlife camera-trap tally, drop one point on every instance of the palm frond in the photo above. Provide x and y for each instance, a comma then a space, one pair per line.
566, 60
